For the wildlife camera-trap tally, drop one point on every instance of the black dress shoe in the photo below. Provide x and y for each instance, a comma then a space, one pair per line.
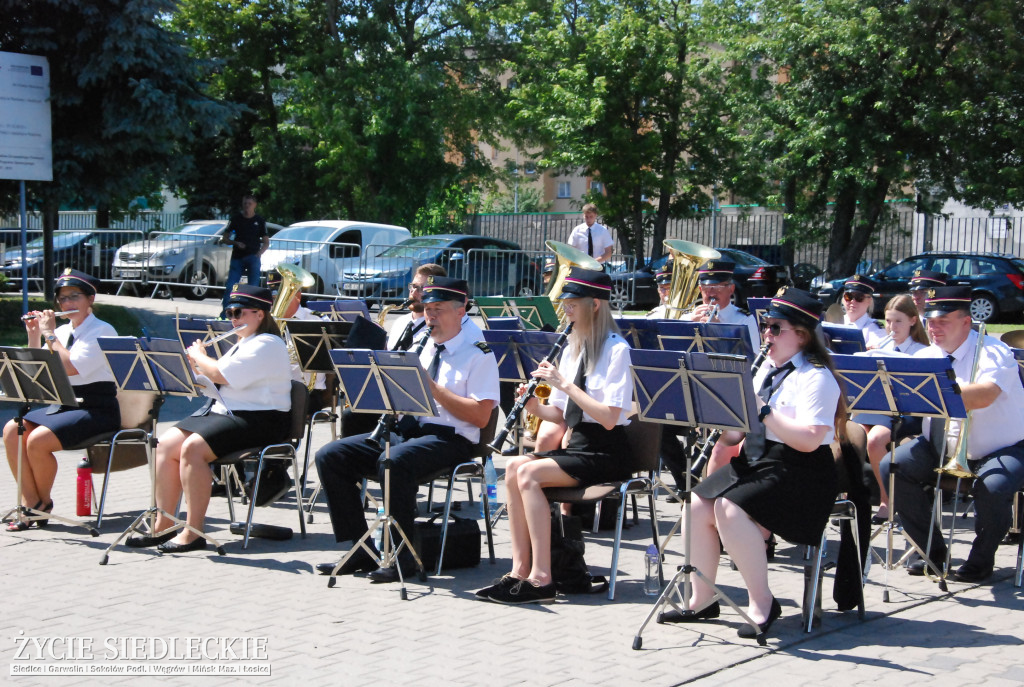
197, 544
360, 562
384, 575
709, 612
970, 572
918, 567
747, 632
504, 581
145, 541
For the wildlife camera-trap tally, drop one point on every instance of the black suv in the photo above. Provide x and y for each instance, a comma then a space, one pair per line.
996, 281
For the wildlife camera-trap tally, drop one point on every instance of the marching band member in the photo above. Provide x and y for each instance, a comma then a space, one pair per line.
464, 385
919, 285
663, 279
592, 395
858, 299
784, 479
995, 440
907, 336
50, 429
715, 279
255, 388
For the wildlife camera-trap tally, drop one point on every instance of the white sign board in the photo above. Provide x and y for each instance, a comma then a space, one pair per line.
26, 152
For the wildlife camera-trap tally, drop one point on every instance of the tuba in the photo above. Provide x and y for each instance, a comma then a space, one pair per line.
293, 280
687, 257
567, 257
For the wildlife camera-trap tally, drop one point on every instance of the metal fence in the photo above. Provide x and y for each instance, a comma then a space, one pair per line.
86, 219
91, 252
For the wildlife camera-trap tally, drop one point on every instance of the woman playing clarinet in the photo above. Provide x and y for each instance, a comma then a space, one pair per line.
784, 479
592, 396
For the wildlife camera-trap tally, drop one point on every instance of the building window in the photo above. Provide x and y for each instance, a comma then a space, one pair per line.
564, 189
530, 168
596, 187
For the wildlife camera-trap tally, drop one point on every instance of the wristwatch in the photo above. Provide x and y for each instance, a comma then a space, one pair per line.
51, 338
765, 412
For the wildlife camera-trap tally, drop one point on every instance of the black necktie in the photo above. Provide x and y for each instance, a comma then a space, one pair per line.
435, 364
71, 341
590, 243
573, 413
405, 340
765, 392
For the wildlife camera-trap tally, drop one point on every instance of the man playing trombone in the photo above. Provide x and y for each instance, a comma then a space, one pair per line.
993, 395
464, 385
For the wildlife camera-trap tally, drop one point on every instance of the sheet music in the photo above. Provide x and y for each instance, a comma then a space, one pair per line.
210, 390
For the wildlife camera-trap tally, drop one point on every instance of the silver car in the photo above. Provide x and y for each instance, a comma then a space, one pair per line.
190, 256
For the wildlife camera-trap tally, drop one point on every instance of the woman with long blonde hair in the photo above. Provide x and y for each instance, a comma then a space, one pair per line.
592, 396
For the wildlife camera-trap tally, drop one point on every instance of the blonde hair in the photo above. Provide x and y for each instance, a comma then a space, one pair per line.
590, 333
904, 303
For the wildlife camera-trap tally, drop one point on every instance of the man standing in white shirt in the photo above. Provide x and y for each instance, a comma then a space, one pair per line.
592, 238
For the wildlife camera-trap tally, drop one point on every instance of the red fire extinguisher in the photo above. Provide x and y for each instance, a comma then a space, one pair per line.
84, 490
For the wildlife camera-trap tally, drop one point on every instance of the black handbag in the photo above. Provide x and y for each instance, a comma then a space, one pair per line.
462, 550
568, 567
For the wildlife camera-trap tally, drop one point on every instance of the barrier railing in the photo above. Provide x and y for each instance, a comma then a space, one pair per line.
89, 251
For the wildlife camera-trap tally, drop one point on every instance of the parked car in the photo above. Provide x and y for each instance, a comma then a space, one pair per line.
754, 277
492, 267
996, 281
329, 248
91, 251
190, 254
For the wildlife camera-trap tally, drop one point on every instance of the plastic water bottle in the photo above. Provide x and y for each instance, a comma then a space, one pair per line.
652, 585
490, 487
378, 534
83, 492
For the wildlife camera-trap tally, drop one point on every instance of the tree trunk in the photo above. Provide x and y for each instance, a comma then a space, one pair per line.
102, 216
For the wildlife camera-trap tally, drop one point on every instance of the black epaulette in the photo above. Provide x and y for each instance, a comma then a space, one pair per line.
815, 361
742, 311
482, 345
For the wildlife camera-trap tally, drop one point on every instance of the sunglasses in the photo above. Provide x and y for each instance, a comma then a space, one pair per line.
854, 296
235, 313
774, 329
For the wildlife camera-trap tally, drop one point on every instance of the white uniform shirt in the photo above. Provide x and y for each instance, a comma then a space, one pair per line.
467, 371
258, 372
909, 346
398, 328
85, 353
601, 237
611, 382
658, 313
807, 394
730, 314
999, 425
469, 328
873, 334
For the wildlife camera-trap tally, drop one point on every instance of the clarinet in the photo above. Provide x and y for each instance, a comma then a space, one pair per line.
705, 452
386, 419
531, 389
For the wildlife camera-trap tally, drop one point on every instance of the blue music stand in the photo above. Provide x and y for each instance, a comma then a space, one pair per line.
640, 332
340, 310
901, 387
390, 383
191, 330
758, 307
504, 323
154, 365
29, 376
711, 391
845, 339
705, 337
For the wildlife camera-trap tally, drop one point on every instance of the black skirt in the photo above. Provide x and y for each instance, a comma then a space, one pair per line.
97, 413
594, 454
226, 434
787, 491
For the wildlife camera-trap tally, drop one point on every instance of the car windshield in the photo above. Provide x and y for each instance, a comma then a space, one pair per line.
742, 257
199, 229
419, 248
286, 237
60, 240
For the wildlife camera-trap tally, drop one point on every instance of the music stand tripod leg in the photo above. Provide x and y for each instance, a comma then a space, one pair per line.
683, 577
28, 513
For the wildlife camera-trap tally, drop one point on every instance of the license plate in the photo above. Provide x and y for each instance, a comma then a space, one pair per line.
353, 287
131, 274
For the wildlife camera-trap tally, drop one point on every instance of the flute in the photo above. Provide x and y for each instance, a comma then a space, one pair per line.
30, 316
225, 335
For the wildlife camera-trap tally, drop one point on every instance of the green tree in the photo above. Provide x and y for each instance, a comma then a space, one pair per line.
125, 98
380, 105
851, 103
627, 92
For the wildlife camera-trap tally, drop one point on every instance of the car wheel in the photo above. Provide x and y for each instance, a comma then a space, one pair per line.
198, 282
318, 284
620, 296
983, 309
526, 289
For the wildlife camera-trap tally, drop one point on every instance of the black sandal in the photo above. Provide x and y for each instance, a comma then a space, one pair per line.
19, 525
43, 522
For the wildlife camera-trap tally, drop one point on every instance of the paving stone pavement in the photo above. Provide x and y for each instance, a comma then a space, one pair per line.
360, 633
